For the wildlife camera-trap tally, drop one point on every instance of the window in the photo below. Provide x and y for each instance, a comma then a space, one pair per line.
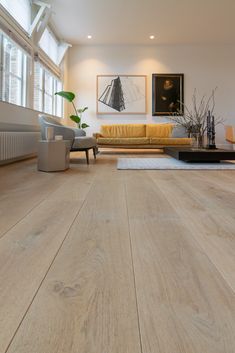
50, 45
17, 53
46, 85
14, 72
20, 10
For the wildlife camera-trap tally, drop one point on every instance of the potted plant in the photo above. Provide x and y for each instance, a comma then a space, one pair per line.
77, 118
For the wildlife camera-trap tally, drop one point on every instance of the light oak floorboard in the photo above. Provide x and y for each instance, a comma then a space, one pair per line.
179, 290
27, 250
87, 302
22, 189
207, 210
67, 280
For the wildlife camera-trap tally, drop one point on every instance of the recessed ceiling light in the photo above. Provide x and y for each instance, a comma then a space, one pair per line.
152, 37
89, 36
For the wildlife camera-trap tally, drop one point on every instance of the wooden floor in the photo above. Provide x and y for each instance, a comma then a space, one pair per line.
96, 260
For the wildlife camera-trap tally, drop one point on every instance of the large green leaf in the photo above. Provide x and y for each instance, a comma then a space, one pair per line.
84, 125
67, 95
75, 118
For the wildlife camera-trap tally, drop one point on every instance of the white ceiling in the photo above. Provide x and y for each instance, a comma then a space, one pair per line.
132, 21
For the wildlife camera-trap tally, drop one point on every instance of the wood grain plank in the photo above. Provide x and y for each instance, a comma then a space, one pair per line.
21, 189
216, 195
220, 179
89, 291
185, 306
204, 208
27, 250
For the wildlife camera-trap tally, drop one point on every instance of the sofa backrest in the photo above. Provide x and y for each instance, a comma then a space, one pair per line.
123, 130
137, 130
159, 130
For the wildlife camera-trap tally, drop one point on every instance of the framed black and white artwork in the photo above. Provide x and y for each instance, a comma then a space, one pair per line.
167, 94
121, 94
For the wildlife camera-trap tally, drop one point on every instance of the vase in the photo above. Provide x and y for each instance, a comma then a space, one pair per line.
199, 140
49, 133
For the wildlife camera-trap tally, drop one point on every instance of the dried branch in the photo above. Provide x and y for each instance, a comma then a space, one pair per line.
195, 120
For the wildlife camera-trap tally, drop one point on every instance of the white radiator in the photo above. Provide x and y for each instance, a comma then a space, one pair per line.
14, 145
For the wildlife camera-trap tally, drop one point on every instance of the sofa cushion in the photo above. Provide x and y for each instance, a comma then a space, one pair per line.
159, 130
170, 141
123, 130
123, 141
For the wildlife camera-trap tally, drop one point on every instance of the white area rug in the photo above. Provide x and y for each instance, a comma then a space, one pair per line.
170, 163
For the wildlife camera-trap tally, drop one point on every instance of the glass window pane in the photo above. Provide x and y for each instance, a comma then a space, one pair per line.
14, 72
48, 83
20, 10
49, 45
45, 87
48, 104
6, 54
16, 61
15, 90
38, 100
38, 76
5, 86
12, 89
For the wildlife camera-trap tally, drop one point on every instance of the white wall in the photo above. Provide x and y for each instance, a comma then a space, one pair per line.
205, 67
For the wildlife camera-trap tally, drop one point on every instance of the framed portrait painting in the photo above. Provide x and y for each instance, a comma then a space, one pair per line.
121, 94
167, 94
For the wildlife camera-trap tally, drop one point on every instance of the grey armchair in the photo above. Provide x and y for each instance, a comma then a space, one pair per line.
77, 137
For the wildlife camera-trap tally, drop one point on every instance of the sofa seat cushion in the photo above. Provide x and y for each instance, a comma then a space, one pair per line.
159, 130
170, 141
123, 130
123, 141
84, 142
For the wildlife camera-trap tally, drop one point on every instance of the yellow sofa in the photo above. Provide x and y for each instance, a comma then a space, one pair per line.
139, 136
230, 134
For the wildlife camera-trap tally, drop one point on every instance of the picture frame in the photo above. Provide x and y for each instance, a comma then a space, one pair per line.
167, 94
121, 94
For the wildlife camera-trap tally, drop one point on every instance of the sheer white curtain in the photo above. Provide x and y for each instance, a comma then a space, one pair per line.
20, 10
49, 45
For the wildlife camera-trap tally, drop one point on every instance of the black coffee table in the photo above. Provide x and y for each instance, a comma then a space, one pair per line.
188, 154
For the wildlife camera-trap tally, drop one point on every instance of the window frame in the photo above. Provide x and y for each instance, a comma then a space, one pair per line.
28, 43
52, 34
25, 72
43, 91
13, 20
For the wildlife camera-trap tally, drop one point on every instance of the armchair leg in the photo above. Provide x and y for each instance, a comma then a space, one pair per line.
87, 156
94, 152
